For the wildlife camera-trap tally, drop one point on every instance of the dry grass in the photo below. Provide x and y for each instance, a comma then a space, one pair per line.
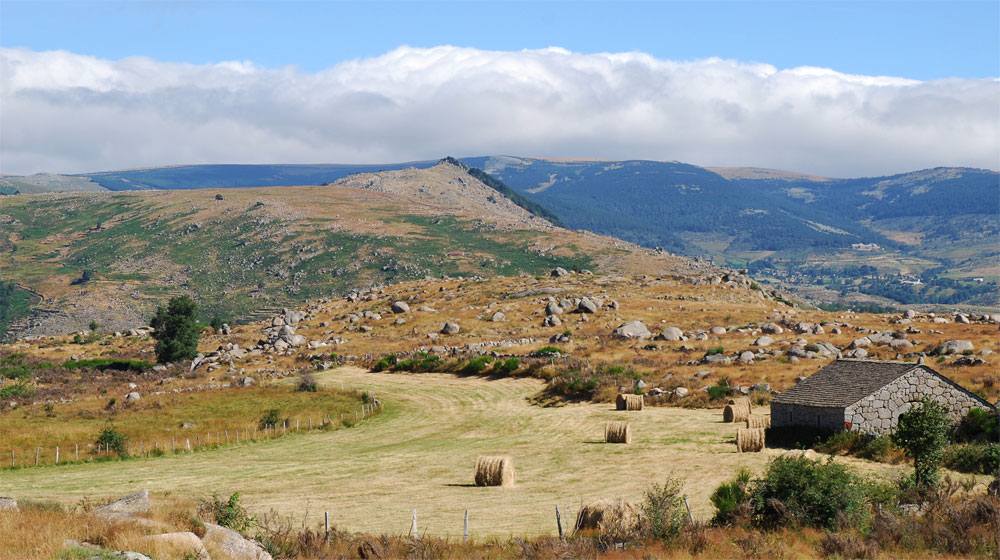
156, 420
618, 432
431, 431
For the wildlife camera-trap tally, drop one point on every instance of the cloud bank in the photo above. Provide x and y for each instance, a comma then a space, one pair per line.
64, 112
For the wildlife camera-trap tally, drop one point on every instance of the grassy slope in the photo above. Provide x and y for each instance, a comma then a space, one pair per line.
300, 243
419, 453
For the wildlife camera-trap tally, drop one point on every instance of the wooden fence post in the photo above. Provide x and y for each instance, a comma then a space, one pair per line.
12, 457
465, 530
690, 517
559, 523
415, 534
326, 526
57, 454
37, 452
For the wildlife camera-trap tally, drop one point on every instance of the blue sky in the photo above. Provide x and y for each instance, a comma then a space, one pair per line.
919, 40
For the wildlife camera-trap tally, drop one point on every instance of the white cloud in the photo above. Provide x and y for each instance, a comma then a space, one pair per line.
64, 112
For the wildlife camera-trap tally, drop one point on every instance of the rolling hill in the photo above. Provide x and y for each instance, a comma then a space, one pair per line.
926, 237
112, 257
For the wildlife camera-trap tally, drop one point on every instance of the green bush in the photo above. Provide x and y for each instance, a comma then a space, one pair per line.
21, 388
113, 440
860, 445
715, 350
103, 364
717, 392
307, 384
216, 323
477, 365
271, 417
732, 499
548, 350
507, 367
922, 431
386, 362
228, 513
176, 330
974, 458
979, 424
663, 510
812, 347
810, 493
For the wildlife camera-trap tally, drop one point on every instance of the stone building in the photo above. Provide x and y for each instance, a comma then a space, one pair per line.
867, 396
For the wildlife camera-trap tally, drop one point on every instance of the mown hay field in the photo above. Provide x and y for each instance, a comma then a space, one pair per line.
420, 454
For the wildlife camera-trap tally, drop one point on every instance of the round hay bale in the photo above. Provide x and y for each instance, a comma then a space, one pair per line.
735, 413
742, 401
749, 440
495, 470
609, 518
759, 421
628, 401
618, 432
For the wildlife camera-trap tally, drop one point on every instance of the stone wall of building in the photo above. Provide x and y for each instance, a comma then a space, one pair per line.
879, 413
824, 418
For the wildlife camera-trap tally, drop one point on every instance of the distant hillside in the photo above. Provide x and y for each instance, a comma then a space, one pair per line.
112, 257
929, 236
937, 226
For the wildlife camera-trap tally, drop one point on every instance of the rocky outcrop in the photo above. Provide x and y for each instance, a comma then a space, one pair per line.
233, 544
633, 329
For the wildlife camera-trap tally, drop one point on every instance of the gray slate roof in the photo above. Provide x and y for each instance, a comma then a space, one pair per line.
844, 382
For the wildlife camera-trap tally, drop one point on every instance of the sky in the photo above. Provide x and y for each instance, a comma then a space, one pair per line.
832, 88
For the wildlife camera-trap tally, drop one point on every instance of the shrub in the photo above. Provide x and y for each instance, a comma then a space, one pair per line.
717, 392
812, 347
663, 510
176, 330
228, 513
307, 384
216, 323
113, 440
386, 362
974, 458
732, 500
507, 367
804, 492
271, 417
93, 326
715, 350
477, 365
978, 424
548, 350
103, 364
922, 431
21, 388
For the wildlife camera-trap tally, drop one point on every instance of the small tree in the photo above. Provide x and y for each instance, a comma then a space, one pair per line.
216, 322
663, 510
922, 432
176, 330
93, 326
113, 440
